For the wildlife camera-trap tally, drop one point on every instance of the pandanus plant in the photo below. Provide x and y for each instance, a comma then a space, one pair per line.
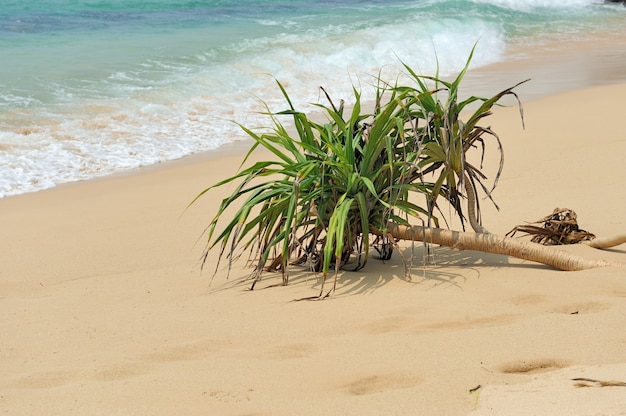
334, 189
445, 141
325, 189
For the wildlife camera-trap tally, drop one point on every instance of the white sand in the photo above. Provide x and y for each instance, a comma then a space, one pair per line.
105, 310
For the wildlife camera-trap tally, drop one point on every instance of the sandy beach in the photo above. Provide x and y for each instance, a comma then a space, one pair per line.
105, 309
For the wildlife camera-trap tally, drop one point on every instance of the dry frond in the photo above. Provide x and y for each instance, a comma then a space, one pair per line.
558, 228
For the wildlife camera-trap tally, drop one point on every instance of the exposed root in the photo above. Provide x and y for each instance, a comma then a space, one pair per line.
561, 227
558, 228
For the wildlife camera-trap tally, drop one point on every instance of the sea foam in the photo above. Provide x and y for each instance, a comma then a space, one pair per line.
116, 100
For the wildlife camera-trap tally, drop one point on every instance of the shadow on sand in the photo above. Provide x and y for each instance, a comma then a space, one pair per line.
433, 267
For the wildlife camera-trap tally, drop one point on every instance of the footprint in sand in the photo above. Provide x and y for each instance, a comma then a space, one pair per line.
582, 307
291, 351
471, 323
532, 366
530, 299
45, 380
120, 372
380, 383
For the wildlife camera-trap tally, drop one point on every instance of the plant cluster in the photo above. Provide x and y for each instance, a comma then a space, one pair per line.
333, 187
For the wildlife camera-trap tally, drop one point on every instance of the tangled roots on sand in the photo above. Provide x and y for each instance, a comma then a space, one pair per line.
558, 228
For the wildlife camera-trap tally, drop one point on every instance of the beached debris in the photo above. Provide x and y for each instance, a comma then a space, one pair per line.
589, 382
558, 228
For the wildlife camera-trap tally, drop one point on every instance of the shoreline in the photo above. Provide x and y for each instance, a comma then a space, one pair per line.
597, 60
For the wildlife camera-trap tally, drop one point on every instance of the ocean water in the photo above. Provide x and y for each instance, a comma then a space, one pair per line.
93, 87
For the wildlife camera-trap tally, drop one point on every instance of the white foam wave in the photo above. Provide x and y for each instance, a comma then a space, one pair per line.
167, 109
527, 5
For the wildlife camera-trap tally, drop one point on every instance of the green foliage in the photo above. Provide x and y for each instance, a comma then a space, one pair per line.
331, 185
446, 140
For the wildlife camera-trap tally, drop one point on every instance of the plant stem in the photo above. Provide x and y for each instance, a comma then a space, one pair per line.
606, 242
495, 244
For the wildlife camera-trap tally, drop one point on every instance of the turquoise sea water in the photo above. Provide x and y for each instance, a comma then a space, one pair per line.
93, 87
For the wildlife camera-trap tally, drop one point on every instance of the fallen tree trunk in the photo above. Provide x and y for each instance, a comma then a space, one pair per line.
492, 243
